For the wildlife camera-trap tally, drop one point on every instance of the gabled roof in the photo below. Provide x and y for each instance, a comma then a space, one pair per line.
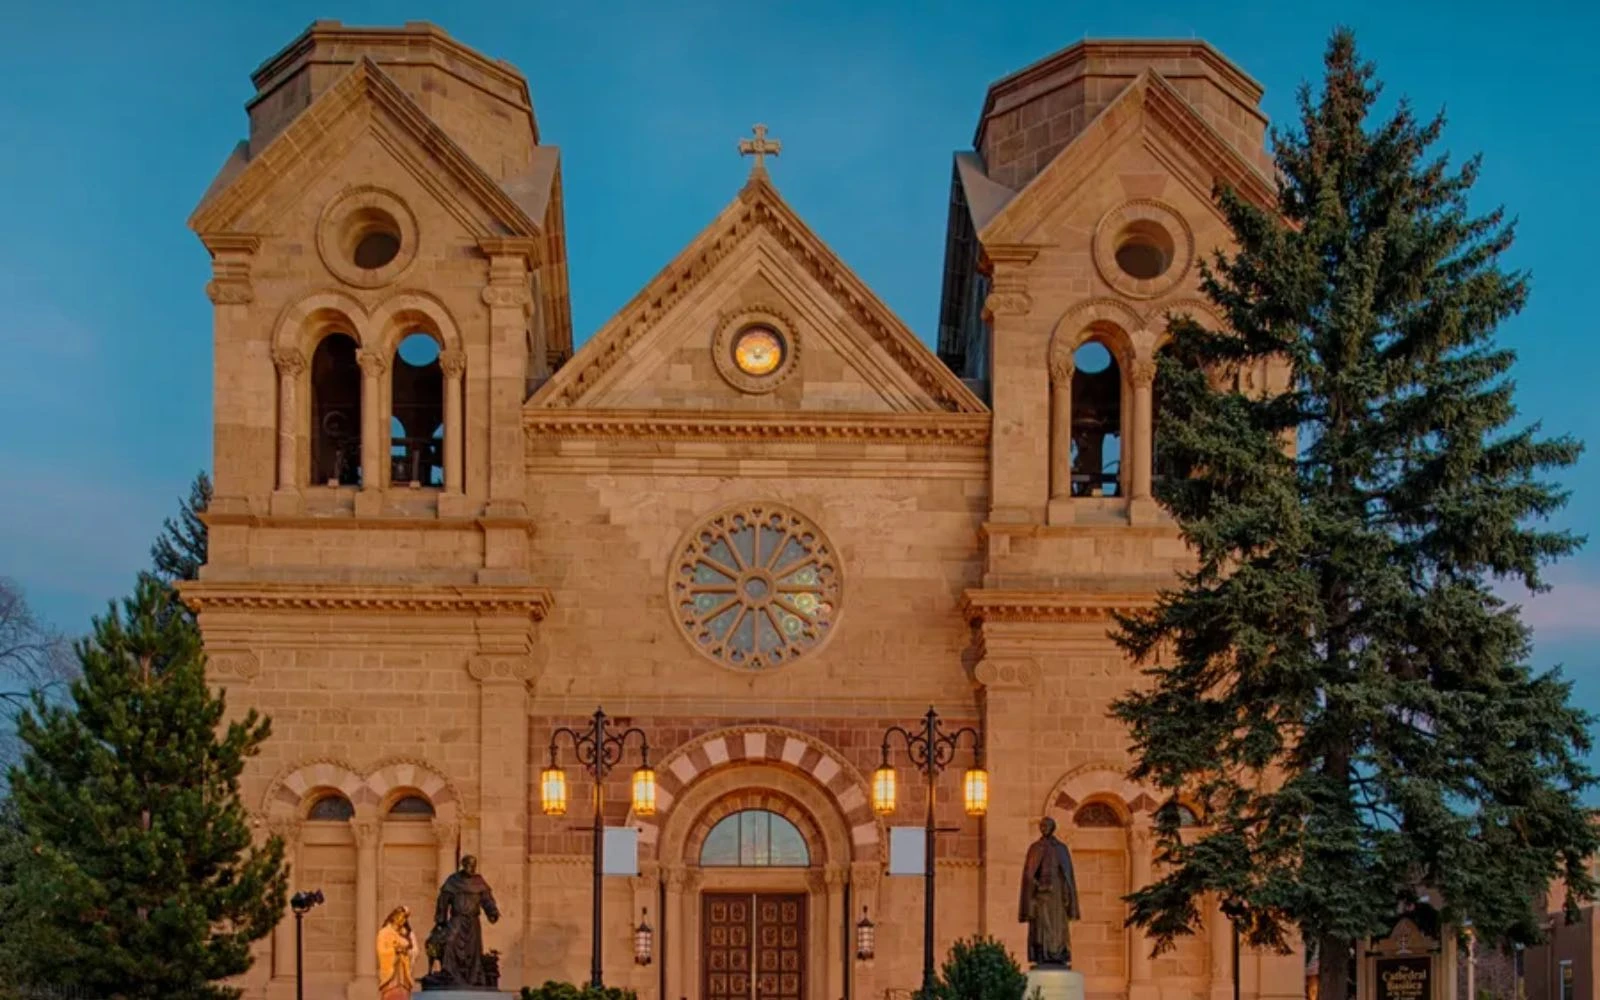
758, 207
1149, 98
241, 182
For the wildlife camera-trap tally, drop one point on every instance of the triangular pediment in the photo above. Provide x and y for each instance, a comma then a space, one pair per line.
366, 102
1148, 111
758, 260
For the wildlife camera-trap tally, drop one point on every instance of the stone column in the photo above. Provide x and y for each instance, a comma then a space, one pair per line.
1061, 370
1007, 701
291, 364
834, 877
671, 928
444, 841
1141, 978
1143, 377
453, 363
374, 426
283, 933
366, 982
503, 795
1019, 390
865, 879
1219, 932
684, 976
509, 296
242, 428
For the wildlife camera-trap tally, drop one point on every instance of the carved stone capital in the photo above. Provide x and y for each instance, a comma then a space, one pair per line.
290, 361
240, 664
373, 364
502, 668
365, 832
445, 831
286, 829
1007, 302
506, 296
816, 880
453, 362
1015, 674
230, 292
1142, 374
1062, 365
865, 876
835, 875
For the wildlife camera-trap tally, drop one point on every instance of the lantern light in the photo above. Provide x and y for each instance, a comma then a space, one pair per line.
643, 940
883, 790
975, 788
553, 791
644, 791
866, 937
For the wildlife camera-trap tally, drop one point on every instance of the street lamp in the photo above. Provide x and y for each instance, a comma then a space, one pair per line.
598, 751
301, 903
930, 750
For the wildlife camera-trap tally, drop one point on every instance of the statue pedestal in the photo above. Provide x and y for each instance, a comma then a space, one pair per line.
1054, 983
464, 993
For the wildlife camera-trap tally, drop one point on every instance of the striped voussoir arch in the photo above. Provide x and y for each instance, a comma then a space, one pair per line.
770, 745
292, 792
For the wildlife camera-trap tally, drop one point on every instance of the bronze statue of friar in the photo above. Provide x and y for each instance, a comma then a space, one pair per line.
1049, 899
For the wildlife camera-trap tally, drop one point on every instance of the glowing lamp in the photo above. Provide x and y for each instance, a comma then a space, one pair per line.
644, 791
866, 937
883, 790
975, 791
644, 940
553, 791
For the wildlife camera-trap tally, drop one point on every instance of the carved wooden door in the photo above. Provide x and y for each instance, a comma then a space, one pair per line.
753, 946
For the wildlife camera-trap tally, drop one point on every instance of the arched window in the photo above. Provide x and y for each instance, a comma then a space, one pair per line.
335, 413
1096, 421
411, 807
416, 455
1096, 814
333, 808
754, 838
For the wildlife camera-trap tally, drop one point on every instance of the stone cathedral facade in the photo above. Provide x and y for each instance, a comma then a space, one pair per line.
753, 516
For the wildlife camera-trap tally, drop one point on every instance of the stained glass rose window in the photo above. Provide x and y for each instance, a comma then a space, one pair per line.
756, 586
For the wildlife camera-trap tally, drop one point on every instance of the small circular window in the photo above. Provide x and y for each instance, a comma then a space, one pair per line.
1144, 250
758, 350
755, 350
367, 237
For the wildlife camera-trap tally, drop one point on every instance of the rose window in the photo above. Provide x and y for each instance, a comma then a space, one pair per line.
756, 586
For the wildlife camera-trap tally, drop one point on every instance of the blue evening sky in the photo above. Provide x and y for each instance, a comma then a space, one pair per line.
114, 116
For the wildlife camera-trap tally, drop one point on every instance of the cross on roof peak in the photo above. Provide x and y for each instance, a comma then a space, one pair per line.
760, 147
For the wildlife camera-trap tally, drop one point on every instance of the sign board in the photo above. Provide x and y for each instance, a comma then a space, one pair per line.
622, 851
905, 850
1405, 977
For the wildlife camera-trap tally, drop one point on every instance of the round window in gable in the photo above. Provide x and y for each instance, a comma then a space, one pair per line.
374, 239
367, 237
1144, 250
755, 350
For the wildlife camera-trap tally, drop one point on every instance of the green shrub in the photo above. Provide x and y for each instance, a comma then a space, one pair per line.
552, 990
980, 968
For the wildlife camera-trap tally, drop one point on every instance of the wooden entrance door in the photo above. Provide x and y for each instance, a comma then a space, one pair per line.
753, 946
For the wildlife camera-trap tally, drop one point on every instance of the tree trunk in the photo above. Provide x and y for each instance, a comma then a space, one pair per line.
1333, 968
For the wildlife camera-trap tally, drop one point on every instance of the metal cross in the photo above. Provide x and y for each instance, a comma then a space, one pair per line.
760, 147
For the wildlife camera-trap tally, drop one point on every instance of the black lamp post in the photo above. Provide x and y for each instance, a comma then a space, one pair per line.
930, 750
598, 751
301, 903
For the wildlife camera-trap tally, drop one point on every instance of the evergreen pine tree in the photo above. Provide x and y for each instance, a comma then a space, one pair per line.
140, 879
180, 550
1336, 681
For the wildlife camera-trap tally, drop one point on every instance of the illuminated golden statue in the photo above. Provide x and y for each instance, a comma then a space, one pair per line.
397, 946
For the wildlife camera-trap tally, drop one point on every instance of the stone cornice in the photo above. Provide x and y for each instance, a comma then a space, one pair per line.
987, 606
202, 596
215, 518
932, 428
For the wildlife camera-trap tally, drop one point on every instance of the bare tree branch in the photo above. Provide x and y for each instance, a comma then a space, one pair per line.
33, 657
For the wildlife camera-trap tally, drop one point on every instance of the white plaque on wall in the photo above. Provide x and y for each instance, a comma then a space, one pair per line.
905, 850
622, 851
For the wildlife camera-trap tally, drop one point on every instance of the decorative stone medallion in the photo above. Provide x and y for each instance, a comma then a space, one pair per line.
755, 350
755, 586
1143, 248
367, 237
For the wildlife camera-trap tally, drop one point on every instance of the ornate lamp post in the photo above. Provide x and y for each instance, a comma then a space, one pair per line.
301, 903
598, 751
930, 750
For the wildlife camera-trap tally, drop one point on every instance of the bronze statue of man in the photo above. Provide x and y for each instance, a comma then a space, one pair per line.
457, 935
1049, 898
